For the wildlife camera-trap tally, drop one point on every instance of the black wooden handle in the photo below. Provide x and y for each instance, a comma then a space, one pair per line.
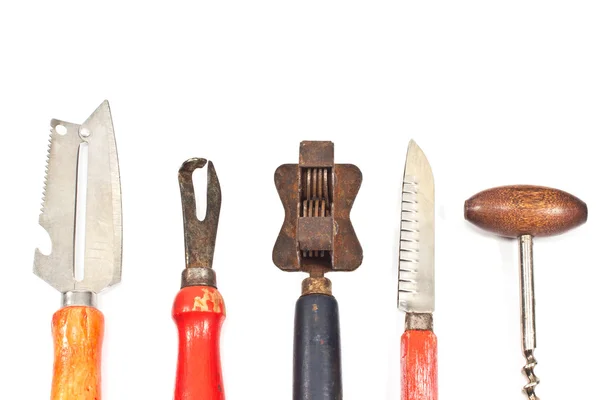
317, 354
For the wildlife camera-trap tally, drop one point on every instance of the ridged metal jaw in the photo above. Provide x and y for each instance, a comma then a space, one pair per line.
103, 227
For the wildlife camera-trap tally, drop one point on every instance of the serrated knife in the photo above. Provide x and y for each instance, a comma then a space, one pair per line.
416, 289
78, 327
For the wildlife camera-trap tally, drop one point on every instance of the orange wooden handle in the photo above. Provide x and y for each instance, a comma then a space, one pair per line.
199, 312
78, 332
419, 365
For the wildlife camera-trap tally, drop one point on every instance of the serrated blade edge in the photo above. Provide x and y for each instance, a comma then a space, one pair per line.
58, 207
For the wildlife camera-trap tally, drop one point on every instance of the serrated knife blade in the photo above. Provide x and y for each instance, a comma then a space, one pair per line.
103, 228
416, 285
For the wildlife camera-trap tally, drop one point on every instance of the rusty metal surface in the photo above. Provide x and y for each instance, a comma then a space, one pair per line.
285, 252
200, 276
347, 251
317, 235
316, 154
200, 235
320, 285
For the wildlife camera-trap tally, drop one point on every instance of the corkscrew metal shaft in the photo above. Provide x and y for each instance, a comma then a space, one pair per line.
528, 313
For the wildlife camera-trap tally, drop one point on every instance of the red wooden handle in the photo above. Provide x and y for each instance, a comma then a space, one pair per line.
78, 333
419, 365
199, 312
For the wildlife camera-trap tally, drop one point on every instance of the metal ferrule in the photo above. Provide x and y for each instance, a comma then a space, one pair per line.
200, 276
320, 285
418, 322
74, 298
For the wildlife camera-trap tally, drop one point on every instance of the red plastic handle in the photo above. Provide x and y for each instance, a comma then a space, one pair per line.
419, 365
199, 312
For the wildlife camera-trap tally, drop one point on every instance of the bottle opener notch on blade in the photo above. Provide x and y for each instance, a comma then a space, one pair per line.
200, 235
103, 228
317, 235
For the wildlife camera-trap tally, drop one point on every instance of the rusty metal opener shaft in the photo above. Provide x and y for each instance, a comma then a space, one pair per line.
200, 236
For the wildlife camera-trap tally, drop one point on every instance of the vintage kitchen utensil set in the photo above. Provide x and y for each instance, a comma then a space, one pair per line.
317, 237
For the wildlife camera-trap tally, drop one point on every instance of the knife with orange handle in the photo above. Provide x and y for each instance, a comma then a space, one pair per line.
198, 309
416, 289
86, 233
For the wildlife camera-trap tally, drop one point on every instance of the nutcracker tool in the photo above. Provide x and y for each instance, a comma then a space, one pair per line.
317, 237
198, 309
523, 212
416, 288
78, 327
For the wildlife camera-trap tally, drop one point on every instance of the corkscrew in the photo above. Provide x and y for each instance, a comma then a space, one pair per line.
524, 211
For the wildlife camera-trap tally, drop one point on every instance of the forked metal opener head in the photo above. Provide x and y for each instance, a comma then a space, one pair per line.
200, 235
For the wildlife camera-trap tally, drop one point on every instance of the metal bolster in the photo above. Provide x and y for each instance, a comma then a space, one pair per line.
418, 322
79, 298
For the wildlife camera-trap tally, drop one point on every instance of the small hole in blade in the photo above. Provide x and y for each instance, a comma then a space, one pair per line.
200, 180
61, 129
80, 212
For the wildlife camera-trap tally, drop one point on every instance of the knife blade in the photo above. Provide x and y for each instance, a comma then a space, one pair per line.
103, 228
416, 287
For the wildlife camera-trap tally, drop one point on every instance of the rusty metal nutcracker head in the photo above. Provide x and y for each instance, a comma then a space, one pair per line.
317, 235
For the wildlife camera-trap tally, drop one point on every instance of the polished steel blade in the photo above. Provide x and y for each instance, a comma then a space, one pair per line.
416, 288
103, 228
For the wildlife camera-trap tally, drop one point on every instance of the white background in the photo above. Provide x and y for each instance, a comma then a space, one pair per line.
494, 92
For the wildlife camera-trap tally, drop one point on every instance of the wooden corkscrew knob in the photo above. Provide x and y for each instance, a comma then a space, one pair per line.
517, 210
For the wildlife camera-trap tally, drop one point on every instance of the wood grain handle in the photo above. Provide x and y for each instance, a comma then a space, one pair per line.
78, 333
518, 210
317, 351
199, 312
419, 365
